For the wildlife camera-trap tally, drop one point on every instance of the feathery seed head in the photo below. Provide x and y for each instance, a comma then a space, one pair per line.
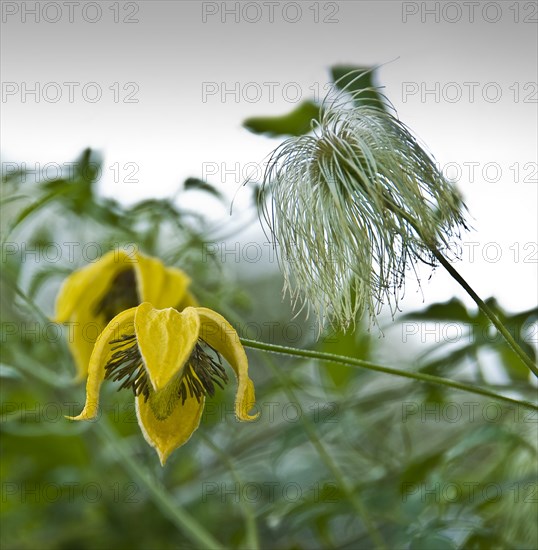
352, 206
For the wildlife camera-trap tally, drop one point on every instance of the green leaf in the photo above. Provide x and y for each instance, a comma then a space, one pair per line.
430, 541
41, 277
478, 334
296, 123
353, 344
299, 121
34, 207
482, 539
417, 472
12, 198
349, 78
196, 184
7, 371
453, 310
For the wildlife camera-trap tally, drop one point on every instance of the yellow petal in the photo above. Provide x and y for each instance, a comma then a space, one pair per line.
219, 334
174, 288
166, 339
188, 301
172, 432
83, 331
85, 287
101, 354
161, 286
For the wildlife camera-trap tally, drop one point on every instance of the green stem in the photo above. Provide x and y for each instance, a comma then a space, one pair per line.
331, 464
479, 302
352, 362
251, 530
486, 310
186, 523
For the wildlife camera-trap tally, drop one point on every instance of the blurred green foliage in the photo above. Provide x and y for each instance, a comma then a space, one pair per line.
336, 454
359, 81
296, 123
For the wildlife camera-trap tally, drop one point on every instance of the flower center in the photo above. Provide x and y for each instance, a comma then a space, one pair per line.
121, 295
203, 371
126, 364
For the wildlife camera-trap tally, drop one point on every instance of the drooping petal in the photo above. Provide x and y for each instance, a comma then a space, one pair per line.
172, 432
160, 285
220, 335
174, 288
85, 287
83, 331
166, 339
101, 354
188, 301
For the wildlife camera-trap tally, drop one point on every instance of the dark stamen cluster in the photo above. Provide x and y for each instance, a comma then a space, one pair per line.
127, 363
202, 371
121, 295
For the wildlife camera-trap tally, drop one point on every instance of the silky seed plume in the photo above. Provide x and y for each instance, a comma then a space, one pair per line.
351, 206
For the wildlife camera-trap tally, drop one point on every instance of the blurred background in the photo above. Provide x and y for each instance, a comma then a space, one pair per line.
133, 126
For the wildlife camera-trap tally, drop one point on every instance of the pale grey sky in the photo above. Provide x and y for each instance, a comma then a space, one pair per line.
161, 88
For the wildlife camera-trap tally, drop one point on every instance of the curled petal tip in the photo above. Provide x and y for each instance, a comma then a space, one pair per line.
249, 417
245, 402
89, 412
81, 416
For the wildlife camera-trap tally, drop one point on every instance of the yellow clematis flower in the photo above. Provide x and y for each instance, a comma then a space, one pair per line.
90, 297
171, 361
